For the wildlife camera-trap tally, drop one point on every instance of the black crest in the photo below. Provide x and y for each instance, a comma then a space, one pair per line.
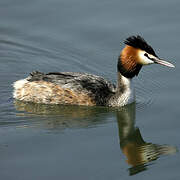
140, 43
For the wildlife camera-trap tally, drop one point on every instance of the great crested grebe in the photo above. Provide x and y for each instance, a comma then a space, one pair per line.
86, 89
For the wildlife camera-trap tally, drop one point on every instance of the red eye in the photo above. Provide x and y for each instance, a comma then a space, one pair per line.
146, 55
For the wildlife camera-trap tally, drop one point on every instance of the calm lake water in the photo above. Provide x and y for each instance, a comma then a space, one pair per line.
139, 141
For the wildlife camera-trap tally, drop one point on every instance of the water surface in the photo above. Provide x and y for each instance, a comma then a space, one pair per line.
71, 142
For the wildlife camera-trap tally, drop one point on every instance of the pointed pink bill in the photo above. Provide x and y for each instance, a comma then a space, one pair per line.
164, 63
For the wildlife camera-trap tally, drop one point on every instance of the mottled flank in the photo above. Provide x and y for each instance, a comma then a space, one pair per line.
49, 93
64, 88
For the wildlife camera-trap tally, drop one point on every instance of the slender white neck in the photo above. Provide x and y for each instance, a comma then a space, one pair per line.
125, 90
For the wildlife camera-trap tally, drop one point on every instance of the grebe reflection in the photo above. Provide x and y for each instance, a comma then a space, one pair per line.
137, 151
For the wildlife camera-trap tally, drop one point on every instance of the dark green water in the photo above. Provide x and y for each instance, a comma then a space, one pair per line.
139, 141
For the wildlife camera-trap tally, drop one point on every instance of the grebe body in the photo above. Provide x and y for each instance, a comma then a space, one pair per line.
73, 88
86, 89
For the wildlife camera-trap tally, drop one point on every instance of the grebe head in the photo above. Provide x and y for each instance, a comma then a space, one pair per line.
137, 53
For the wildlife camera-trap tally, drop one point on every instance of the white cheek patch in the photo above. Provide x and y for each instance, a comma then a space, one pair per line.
144, 60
